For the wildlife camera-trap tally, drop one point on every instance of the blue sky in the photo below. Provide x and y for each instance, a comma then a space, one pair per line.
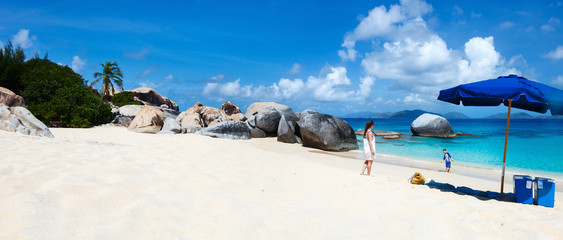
336, 57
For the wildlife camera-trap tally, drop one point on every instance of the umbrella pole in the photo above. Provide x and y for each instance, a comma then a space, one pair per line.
505, 143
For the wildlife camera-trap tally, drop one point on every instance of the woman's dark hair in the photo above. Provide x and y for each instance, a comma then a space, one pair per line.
368, 125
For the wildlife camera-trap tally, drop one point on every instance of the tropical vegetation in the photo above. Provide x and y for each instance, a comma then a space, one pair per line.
55, 94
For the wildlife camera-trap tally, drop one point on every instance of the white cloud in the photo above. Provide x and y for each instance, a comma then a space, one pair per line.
229, 89
1, 44
415, 58
78, 64
505, 25
550, 26
22, 39
139, 55
147, 72
558, 82
149, 84
288, 88
328, 85
413, 99
555, 54
169, 77
295, 69
394, 23
331, 85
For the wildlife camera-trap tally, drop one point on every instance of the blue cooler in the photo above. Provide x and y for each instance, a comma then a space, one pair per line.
523, 189
545, 192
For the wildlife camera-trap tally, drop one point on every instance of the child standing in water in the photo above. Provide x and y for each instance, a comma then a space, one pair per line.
369, 147
448, 158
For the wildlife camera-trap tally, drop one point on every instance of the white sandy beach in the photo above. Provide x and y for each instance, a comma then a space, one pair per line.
110, 183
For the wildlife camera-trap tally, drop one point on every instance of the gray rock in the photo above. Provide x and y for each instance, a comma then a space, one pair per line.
29, 121
286, 131
229, 130
130, 110
268, 115
122, 120
391, 137
170, 124
326, 132
151, 97
430, 125
378, 132
256, 132
10, 99
8, 121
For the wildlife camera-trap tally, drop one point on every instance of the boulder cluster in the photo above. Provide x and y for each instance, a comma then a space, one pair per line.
14, 117
160, 115
261, 119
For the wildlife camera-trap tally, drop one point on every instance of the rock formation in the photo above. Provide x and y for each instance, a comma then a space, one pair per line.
148, 120
171, 126
19, 119
326, 132
286, 131
150, 97
268, 114
430, 125
232, 112
229, 130
10, 99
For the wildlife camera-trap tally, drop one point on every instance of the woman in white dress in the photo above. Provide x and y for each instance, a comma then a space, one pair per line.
369, 147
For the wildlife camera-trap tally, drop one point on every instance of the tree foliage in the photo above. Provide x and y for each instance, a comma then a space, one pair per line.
11, 67
59, 97
124, 98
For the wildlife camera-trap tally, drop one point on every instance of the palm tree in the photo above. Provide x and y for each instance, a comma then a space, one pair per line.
111, 74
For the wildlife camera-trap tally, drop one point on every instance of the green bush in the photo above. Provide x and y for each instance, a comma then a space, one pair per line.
58, 96
11, 66
124, 98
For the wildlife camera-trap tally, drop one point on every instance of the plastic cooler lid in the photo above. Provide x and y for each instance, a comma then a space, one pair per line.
544, 179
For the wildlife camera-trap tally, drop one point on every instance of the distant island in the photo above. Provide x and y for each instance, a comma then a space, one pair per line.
405, 114
412, 114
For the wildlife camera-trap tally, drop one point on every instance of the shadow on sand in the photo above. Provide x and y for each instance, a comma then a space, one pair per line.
481, 195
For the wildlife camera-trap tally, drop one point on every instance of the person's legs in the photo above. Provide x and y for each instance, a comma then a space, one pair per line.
448, 166
369, 167
364, 167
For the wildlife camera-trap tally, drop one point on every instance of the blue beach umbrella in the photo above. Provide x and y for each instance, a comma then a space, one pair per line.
512, 91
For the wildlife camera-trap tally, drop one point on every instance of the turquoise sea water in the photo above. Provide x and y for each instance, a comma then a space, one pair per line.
533, 144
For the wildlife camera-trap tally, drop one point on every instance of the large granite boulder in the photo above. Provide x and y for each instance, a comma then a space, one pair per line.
211, 116
232, 112
10, 99
326, 132
268, 115
125, 114
430, 125
171, 126
8, 122
198, 117
190, 120
149, 96
19, 119
229, 130
148, 120
286, 131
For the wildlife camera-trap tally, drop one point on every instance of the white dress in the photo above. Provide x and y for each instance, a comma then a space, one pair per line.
367, 150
